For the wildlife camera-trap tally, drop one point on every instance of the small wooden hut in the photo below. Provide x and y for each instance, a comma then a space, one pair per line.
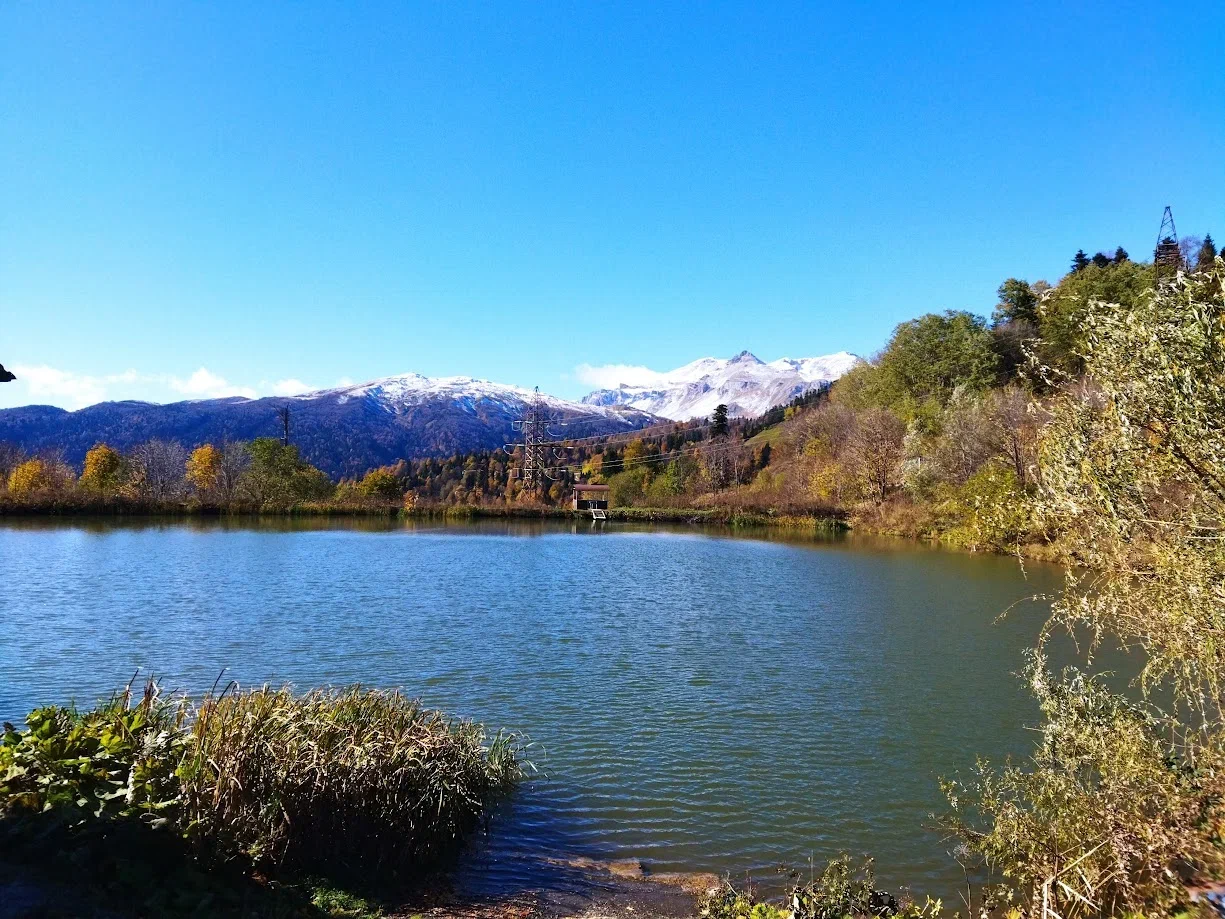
590, 497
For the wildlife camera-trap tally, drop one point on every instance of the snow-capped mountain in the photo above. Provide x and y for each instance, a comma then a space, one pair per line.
745, 384
394, 394
350, 429
344, 431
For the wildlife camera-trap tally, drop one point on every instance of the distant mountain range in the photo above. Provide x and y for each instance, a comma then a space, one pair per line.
343, 431
747, 385
348, 430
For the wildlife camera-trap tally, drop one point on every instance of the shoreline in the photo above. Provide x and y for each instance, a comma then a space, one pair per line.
839, 523
193, 510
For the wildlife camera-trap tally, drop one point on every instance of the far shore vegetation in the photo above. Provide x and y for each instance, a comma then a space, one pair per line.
930, 438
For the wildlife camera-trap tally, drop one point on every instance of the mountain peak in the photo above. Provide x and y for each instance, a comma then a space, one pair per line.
745, 384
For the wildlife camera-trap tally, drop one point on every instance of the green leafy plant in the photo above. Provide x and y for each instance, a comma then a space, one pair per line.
117, 760
726, 902
166, 806
840, 891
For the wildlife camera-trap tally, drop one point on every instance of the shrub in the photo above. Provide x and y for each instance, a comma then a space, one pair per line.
841, 891
1107, 818
278, 477
627, 488
990, 510
1120, 806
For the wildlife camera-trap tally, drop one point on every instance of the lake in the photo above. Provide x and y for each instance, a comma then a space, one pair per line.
703, 701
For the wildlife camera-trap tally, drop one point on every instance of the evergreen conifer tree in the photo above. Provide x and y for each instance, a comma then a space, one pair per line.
1080, 261
718, 421
1207, 253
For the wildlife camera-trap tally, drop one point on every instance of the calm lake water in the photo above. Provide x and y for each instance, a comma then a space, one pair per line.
701, 701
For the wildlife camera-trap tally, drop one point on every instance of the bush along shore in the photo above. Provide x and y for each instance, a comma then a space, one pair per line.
254, 802
841, 890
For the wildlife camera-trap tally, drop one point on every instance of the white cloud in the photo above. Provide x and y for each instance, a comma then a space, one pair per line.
204, 384
43, 385
610, 376
60, 387
291, 387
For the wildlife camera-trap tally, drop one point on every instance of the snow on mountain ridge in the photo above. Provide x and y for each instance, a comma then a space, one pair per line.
745, 383
397, 392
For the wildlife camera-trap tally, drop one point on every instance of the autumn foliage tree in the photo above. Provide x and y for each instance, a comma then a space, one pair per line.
382, 484
877, 449
104, 469
29, 478
204, 468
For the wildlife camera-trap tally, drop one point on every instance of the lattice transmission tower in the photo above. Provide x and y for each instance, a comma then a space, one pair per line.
1167, 257
536, 439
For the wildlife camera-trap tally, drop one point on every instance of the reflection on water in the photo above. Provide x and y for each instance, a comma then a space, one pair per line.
701, 700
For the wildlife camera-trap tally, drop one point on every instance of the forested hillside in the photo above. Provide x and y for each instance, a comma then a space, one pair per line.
345, 432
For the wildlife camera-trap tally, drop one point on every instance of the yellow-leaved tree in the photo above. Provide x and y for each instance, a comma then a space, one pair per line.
28, 478
204, 468
104, 468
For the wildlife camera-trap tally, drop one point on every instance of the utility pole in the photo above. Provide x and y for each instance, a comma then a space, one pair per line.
283, 414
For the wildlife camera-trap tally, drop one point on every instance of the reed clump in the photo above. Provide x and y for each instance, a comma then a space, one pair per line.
342, 781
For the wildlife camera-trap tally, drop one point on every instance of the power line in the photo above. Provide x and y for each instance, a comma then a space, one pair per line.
620, 465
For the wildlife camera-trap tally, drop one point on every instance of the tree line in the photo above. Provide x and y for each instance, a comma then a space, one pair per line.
264, 473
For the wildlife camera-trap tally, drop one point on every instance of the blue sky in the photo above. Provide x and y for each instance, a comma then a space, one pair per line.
202, 199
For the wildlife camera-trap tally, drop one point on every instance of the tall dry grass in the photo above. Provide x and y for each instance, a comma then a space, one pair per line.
349, 780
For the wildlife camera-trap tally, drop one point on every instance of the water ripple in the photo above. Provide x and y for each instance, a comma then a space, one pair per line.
701, 703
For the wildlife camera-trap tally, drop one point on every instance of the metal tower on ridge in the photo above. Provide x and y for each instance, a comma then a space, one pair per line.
1167, 257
